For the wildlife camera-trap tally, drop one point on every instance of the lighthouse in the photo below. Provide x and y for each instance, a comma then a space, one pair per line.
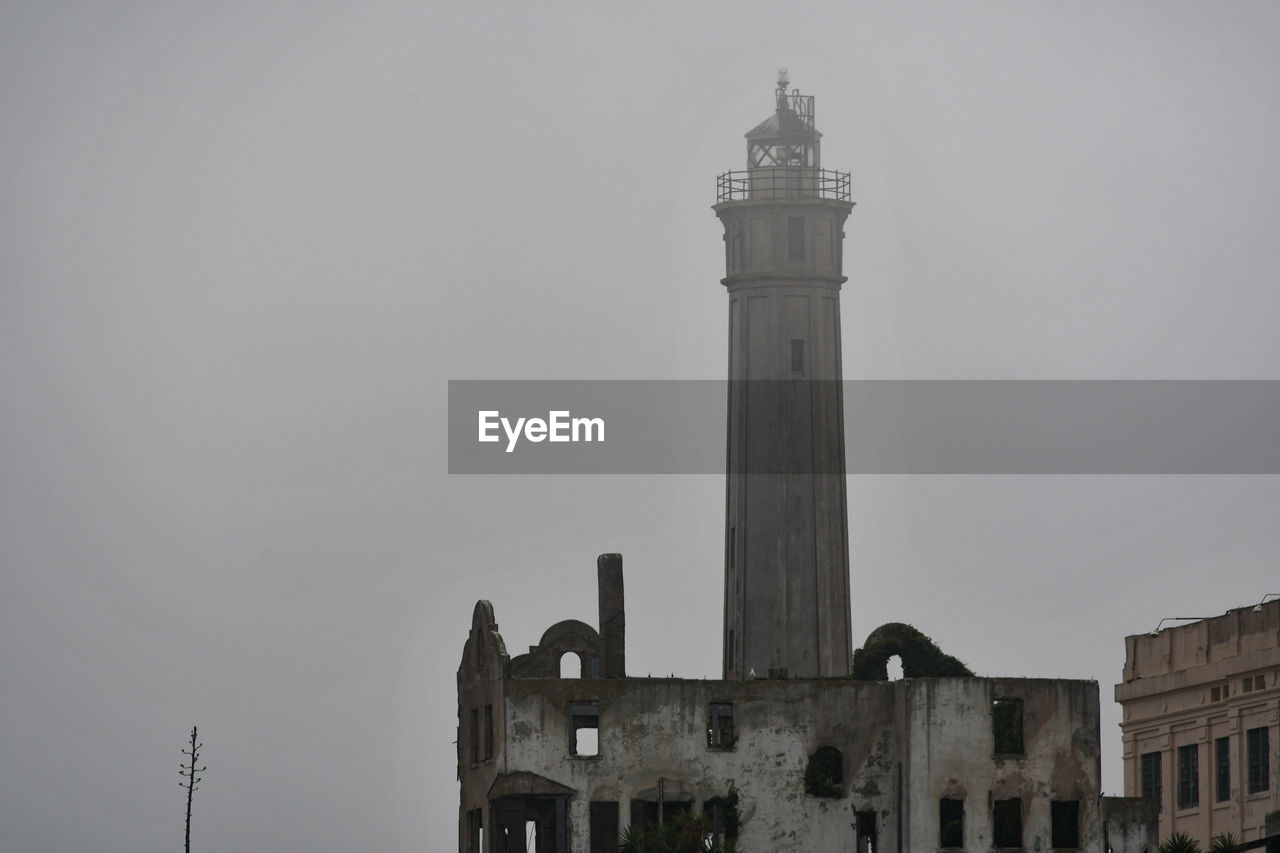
786, 599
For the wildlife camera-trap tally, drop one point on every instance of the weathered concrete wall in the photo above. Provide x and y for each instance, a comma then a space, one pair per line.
951, 753
1129, 824
937, 730
481, 740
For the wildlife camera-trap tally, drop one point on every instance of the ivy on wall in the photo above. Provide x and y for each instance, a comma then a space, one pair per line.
921, 657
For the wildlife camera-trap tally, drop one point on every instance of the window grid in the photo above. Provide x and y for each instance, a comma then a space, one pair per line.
1151, 777
1259, 753
1189, 776
1222, 752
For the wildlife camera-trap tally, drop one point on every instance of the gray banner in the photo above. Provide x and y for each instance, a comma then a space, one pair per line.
891, 427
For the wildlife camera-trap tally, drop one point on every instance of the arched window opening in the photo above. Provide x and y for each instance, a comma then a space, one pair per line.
570, 665
894, 667
824, 775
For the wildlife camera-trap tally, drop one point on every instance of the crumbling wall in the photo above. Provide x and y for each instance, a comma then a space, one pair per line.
1129, 825
902, 746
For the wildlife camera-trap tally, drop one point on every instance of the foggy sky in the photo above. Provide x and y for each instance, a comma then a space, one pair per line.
244, 246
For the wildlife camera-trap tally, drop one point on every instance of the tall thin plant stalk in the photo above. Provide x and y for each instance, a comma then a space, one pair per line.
190, 780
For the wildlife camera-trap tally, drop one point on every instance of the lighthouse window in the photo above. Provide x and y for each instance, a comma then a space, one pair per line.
797, 357
795, 238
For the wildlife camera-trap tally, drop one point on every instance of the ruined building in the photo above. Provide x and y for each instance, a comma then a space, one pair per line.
788, 752
1201, 708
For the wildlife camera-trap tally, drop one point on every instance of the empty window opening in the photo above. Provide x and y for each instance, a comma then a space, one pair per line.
1152, 783
1007, 823
795, 238
866, 829
530, 835
475, 831
893, 667
1189, 776
950, 822
720, 726
1006, 726
824, 776
644, 813
474, 735
488, 732
722, 818
797, 357
1065, 831
672, 810
570, 665
1222, 756
604, 826
1258, 744
584, 729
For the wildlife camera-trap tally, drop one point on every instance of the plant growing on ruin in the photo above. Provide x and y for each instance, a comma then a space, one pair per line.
1180, 842
1225, 842
921, 657
688, 832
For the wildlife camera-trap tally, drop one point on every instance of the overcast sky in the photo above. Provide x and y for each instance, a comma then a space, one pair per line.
243, 246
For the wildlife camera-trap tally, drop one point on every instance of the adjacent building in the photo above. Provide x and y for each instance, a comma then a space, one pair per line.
1201, 706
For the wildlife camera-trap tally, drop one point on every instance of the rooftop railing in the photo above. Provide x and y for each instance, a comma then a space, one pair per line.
772, 182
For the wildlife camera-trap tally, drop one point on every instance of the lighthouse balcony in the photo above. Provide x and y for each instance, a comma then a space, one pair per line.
781, 182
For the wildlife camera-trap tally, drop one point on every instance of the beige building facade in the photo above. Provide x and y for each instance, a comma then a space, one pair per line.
1201, 710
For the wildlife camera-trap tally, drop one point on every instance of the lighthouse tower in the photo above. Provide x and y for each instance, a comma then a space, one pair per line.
786, 602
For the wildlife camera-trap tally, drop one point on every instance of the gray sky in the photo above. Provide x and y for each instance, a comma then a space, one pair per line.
244, 245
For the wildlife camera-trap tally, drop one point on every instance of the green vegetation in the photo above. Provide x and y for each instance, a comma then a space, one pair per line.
1180, 843
1225, 843
921, 657
688, 832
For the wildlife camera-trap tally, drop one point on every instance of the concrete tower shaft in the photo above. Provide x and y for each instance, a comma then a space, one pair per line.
786, 606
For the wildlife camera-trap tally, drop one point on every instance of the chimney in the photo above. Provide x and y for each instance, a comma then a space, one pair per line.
613, 622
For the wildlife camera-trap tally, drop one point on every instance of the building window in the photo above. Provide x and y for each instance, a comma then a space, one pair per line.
1259, 753
824, 776
950, 823
1222, 758
488, 732
795, 238
644, 813
474, 735
475, 831
1189, 776
604, 826
1006, 726
720, 726
1065, 831
1007, 823
584, 729
797, 357
866, 828
1151, 777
